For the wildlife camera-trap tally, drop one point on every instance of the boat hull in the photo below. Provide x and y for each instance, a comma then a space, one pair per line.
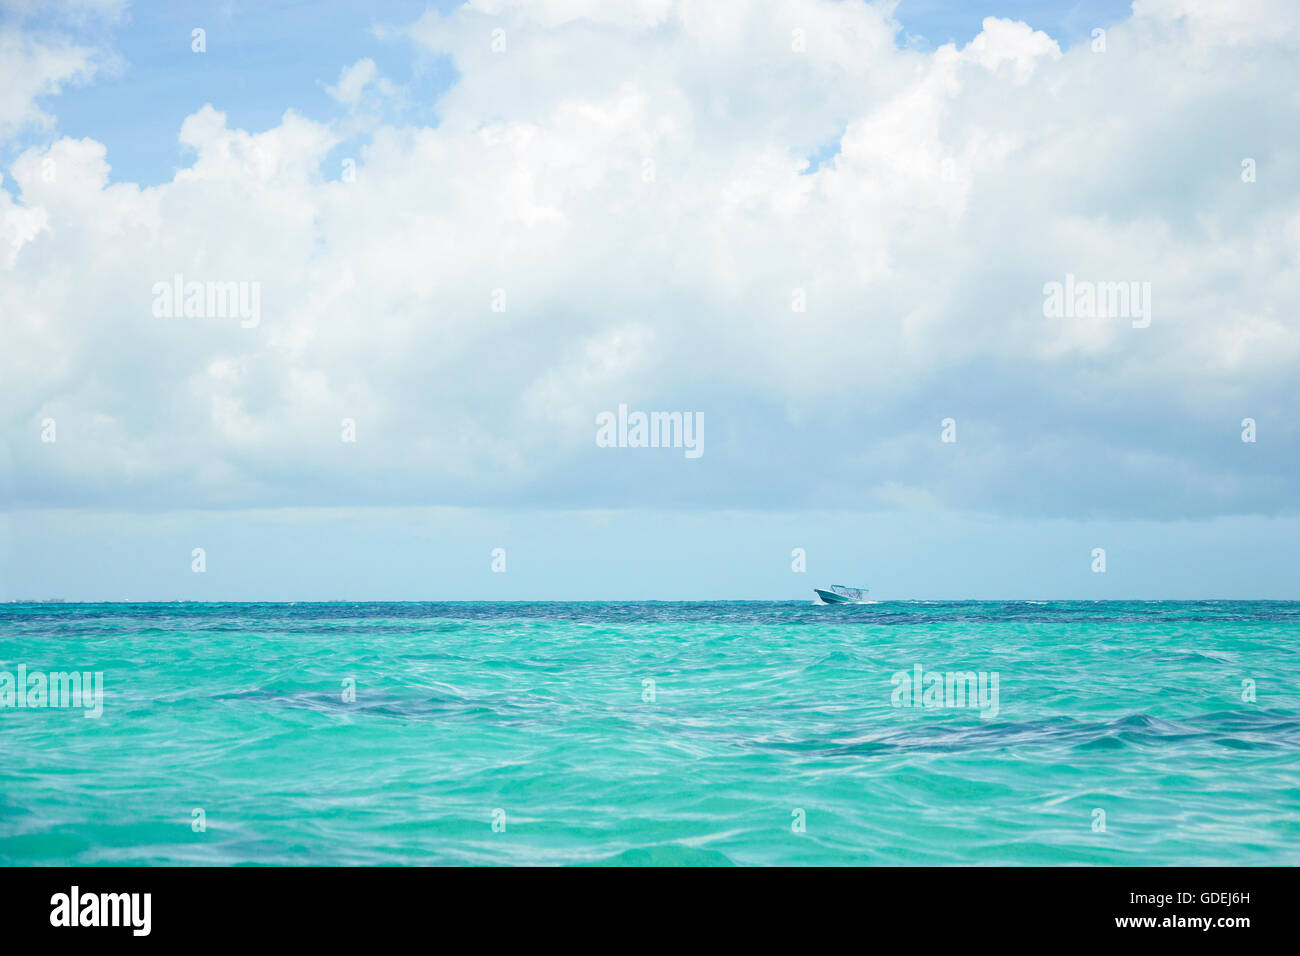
838, 594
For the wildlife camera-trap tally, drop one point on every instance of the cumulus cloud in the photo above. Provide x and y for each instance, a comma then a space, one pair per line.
31, 68
618, 204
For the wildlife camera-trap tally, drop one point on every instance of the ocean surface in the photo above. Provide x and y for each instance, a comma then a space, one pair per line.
656, 733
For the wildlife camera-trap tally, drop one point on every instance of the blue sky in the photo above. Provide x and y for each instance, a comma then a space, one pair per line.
261, 60
827, 228
377, 554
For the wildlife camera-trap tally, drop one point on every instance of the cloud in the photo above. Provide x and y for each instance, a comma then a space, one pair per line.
31, 68
354, 81
1005, 41
617, 206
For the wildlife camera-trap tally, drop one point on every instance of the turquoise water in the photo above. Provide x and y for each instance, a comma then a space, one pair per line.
760, 716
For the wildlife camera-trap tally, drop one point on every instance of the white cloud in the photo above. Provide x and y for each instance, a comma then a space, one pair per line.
355, 79
31, 68
635, 180
1006, 41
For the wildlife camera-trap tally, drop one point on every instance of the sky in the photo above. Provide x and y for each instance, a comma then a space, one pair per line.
434, 244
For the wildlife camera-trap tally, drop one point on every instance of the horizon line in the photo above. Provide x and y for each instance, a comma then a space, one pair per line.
814, 603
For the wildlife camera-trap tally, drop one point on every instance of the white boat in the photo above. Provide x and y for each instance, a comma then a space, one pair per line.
839, 594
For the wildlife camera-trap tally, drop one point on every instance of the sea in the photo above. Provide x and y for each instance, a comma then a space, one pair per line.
651, 733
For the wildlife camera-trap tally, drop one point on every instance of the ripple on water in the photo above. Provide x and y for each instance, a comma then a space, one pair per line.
656, 734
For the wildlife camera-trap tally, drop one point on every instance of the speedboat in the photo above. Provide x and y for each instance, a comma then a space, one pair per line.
839, 594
